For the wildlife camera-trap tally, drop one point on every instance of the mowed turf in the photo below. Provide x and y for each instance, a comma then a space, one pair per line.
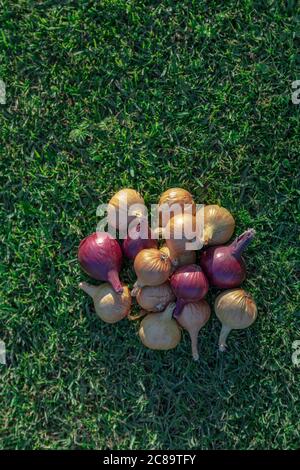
149, 95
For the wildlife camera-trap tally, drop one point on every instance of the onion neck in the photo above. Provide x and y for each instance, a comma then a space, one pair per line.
241, 242
88, 288
179, 307
113, 278
135, 289
223, 337
168, 312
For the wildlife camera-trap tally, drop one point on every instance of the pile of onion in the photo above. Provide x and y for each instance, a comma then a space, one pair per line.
218, 226
192, 318
189, 284
224, 265
236, 310
155, 298
124, 207
176, 197
159, 330
134, 242
152, 268
109, 306
170, 285
100, 256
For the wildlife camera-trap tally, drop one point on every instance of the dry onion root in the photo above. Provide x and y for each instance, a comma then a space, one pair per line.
152, 268
109, 306
219, 225
159, 330
155, 298
236, 310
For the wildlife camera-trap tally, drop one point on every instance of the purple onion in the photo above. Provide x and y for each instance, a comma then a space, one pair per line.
224, 265
134, 243
100, 256
189, 284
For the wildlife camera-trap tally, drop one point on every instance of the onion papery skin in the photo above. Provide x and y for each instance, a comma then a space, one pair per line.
109, 306
189, 284
100, 256
132, 246
175, 196
182, 259
236, 310
219, 225
159, 331
193, 317
117, 211
155, 298
224, 265
152, 268
175, 236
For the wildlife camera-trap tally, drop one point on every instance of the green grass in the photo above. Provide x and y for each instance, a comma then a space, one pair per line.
150, 95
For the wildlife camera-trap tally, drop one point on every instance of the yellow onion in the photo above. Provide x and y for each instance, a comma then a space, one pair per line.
183, 259
109, 306
152, 268
192, 318
218, 225
179, 231
159, 330
155, 298
169, 198
236, 310
120, 208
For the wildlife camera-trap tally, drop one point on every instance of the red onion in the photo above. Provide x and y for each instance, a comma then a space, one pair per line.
100, 256
189, 284
224, 265
134, 243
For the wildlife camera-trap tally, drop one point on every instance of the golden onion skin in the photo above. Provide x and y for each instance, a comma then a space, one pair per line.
155, 298
236, 310
219, 225
152, 267
109, 306
130, 197
159, 331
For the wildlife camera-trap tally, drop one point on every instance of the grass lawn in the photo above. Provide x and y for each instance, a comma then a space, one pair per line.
150, 95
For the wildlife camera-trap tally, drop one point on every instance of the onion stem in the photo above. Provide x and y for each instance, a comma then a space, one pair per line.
113, 278
223, 337
87, 288
242, 242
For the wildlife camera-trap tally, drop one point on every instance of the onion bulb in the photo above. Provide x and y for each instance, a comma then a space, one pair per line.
218, 225
224, 265
155, 298
121, 210
184, 258
100, 256
169, 198
236, 310
159, 330
134, 243
179, 231
189, 284
192, 318
152, 268
109, 306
